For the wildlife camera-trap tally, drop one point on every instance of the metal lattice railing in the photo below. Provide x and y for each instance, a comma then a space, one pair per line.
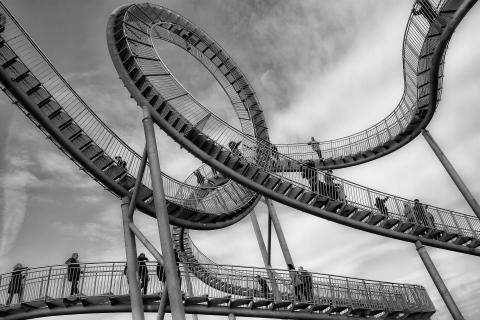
108, 279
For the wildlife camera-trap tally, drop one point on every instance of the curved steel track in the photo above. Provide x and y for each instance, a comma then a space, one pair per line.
135, 31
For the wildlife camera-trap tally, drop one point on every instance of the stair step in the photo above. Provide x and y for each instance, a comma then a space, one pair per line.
404, 226
196, 300
333, 205
462, 239
260, 303
271, 182
219, 301
281, 304
127, 182
283, 187
115, 171
307, 196
419, 230
81, 141
390, 223
102, 161
294, 192
92, 151
447, 236
240, 302
375, 218
359, 215
347, 210
50, 108
300, 306
320, 201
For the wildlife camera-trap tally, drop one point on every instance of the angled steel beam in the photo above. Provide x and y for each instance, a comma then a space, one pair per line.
263, 251
173, 282
437, 279
132, 264
138, 182
278, 230
452, 173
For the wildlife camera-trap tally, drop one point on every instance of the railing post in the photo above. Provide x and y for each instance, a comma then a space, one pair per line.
173, 287
437, 280
48, 282
111, 279
453, 173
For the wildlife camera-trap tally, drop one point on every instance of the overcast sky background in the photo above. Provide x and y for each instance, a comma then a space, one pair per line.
321, 68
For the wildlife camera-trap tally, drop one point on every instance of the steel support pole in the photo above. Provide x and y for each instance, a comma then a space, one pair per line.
231, 316
157, 255
263, 251
453, 173
437, 279
131, 253
138, 182
163, 305
269, 240
170, 265
278, 230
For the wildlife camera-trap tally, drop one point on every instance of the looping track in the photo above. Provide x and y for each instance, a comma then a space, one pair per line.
133, 35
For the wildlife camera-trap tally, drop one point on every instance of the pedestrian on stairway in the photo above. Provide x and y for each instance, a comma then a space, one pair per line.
380, 204
143, 272
264, 289
316, 147
120, 162
425, 8
420, 213
297, 284
73, 273
307, 282
17, 283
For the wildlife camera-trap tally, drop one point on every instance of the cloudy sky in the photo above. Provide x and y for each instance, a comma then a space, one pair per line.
321, 68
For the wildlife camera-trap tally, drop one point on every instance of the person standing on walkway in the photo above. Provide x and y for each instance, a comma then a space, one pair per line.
16, 284
73, 273
316, 147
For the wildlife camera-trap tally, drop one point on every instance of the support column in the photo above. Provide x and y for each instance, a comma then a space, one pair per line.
132, 265
263, 251
453, 173
173, 283
231, 316
442, 288
278, 230
269, 240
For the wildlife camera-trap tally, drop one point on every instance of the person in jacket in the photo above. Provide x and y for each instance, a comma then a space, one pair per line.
16, 284
73, 273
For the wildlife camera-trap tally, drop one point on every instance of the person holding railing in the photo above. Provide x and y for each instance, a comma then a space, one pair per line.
425, 8
310, 174
307, 284
408, 212
380, 204
120, 162
143, 272
330, 188
297, 284
316, 147
423, 216
73, 273
264, 289
199, 176
17, 283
